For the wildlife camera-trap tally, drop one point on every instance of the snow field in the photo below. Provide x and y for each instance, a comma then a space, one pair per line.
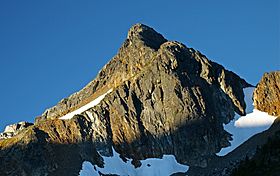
244, 127
164, 166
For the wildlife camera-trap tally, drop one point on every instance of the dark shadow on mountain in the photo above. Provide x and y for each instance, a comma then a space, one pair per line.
41, 156
225, 164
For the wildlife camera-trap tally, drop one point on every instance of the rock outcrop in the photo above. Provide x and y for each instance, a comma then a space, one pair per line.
267, 94
166, 99
266, 159
14, 129
55, 147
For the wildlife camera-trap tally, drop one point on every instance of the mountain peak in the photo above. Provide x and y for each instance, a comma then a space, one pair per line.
154, 98
146, 34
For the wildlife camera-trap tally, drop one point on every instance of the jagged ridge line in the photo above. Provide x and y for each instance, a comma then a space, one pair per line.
100, 91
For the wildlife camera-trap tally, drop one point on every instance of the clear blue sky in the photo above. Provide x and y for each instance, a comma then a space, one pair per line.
50, 49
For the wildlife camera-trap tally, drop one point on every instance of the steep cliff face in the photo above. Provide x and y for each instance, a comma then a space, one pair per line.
259, 155
142, 46
166, 98
136, 52
169, 108
267, 93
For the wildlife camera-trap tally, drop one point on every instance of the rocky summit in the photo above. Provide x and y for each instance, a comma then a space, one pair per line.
159, 97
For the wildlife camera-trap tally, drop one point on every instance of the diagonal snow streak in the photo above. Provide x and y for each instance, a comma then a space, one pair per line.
86, 107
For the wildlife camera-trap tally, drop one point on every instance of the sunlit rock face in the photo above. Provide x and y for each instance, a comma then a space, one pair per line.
155, 98
267, 94
14, 129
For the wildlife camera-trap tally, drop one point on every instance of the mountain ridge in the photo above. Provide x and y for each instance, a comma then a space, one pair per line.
166, 98
136, 37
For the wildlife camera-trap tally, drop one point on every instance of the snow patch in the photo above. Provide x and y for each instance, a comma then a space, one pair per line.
244, 127
239, 135
86, 107
164, 166
255, 119
88, 170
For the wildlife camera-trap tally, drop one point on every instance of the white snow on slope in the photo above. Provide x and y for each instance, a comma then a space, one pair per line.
244, 127
255, 119
88, 170
86, 107
165, 166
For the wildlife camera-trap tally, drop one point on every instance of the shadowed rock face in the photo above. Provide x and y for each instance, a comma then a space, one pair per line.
166, 99
267, 158
259, 155
267, 94
55, 147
